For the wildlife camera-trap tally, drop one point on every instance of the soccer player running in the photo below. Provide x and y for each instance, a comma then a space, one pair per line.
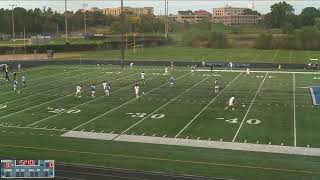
216, 86
108, 89
7, 73
23, 79
231, 103
142, 77
15, 84
14, 75
93, 91
172, 81
136, 90
78, 91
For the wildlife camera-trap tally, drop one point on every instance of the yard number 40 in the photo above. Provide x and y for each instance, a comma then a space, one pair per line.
249, 121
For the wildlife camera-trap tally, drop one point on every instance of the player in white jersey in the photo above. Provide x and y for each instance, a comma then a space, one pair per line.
136, 90
216, 86
231, 103
15, 84
166, 70
78, 91
107, 90
193, 68
93, 91
142, 78
23, 79
131, 65
248, 71
230, 65
171, 65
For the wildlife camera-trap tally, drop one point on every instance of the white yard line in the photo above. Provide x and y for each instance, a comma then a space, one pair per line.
275, 55
195, 117
258, 71
88, 101
294, 110
164, 105
134, 99
245, 116
23, 127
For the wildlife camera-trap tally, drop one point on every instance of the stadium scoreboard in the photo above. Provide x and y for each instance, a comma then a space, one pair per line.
27, 168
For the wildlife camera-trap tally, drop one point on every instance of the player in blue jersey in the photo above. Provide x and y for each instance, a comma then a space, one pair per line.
93, 91
172, 81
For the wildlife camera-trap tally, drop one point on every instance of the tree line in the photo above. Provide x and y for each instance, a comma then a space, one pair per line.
47, 21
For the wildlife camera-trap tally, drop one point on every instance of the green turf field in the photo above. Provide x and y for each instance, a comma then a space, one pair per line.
271, 108
204, 54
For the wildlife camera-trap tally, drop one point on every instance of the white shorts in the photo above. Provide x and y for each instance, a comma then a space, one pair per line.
77, 91
137, 92
230, 104
216, 87
93, 92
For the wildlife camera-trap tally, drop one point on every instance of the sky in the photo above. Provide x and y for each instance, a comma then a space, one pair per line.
263, 6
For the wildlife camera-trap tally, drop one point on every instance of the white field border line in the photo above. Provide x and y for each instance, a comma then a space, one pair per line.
275, 55
137, 123
179, 69
36, 105
100, 154
257, 71
40, 92
47, 82
24, 127
313, 97
134, 99
125, 87
53, 95
196, 116
245, 116
294, 110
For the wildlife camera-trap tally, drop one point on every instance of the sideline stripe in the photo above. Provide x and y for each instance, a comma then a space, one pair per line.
135, 124
195, 117
245, 116
164, 159
276, 72
134, 99
294, 110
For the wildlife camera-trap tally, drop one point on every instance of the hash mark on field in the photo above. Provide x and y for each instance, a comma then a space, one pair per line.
207, 105
83, 130
92, 131
245, 116
164, 135
154, 134
198, 138
187, 137
132, 133
142, 134
102, 131
111, 132
209, 139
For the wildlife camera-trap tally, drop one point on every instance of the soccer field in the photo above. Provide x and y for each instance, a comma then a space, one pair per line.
272, 108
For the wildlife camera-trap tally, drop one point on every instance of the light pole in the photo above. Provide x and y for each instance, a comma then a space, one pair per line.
84, 5
122, 35
12, 18
66, 20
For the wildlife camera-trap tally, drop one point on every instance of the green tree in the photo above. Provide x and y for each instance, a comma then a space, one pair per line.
308, 16
279, 15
